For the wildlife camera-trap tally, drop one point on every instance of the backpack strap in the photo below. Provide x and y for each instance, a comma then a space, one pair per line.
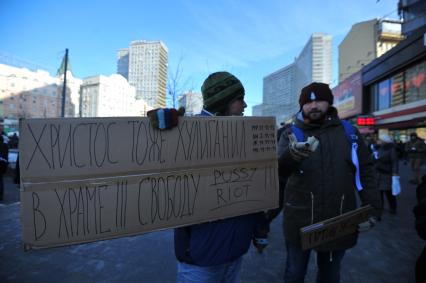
352, 137
298, 133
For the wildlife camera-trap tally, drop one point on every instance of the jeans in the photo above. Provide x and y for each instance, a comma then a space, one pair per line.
297, 263
391, 200
224, 273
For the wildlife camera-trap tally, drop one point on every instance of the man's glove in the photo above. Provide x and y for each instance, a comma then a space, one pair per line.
300, 150
165, 118
260, 244
367, 225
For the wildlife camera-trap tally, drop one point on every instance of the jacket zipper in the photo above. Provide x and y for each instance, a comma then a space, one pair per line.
312, 208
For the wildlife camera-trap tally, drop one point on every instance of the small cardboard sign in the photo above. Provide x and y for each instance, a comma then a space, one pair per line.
333, 228
89, 179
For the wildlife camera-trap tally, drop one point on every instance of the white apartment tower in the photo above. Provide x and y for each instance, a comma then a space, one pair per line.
111, 96
314, 62
146, 70
26, 93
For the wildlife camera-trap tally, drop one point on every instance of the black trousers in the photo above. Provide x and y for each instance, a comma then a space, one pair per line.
391, 199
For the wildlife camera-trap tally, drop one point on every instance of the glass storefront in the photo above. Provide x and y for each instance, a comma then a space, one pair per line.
404, 87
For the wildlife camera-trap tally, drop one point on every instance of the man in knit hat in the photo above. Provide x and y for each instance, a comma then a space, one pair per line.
212, 251
223, 95
321, 182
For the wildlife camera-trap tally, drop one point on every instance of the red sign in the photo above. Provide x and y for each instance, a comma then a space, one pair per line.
366, 121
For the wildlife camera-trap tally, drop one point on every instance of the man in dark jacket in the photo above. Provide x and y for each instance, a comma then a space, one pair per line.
321, 182
416, 150
212, 251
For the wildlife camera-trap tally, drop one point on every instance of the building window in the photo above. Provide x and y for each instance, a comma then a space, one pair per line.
415, 83
397, 89
373, 98
384, 94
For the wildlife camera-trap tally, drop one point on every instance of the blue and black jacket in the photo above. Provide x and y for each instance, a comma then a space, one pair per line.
217, 242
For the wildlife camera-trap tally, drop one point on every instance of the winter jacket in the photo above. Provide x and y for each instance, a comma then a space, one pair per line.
386, 165
322, 185
416, 149
217, 242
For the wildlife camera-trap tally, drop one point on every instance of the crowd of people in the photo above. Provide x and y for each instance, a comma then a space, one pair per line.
316, 183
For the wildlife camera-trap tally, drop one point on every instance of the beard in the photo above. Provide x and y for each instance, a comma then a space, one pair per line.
314, 115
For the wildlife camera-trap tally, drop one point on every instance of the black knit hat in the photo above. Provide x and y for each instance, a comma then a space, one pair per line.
220, 89
315, 91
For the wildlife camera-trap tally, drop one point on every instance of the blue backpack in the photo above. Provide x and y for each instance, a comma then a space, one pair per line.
352, 138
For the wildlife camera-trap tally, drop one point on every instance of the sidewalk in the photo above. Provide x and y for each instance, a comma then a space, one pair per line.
385, 254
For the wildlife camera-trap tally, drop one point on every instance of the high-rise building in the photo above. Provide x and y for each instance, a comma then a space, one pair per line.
123, 62
281, 89
314, 63
147, 70
278, 93
192, 101
413, 13
365, 42
111, 96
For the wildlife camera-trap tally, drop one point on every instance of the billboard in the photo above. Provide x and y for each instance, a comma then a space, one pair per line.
348, 96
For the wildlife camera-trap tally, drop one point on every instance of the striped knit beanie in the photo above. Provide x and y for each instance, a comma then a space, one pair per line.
220, 89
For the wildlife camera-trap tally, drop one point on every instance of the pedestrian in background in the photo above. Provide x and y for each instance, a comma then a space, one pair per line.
420, 224
386, 166
4, 163
321, 183
416, 151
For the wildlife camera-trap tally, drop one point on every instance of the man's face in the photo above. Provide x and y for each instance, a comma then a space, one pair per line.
236, 108
315, 111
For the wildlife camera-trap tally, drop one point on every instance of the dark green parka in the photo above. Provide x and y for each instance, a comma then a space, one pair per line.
322, 185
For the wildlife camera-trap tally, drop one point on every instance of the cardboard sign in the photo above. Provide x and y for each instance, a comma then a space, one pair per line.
333, 228
90, 179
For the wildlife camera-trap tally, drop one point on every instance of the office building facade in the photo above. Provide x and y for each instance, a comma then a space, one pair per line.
192, 101
36, 94
146, 70
365, 42
281, 89
111, 96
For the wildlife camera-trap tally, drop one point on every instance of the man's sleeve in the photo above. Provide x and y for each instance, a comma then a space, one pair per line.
286, 163
370, 193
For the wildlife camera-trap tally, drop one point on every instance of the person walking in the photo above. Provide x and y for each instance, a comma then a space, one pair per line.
416, 151
386, 167
322, 182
